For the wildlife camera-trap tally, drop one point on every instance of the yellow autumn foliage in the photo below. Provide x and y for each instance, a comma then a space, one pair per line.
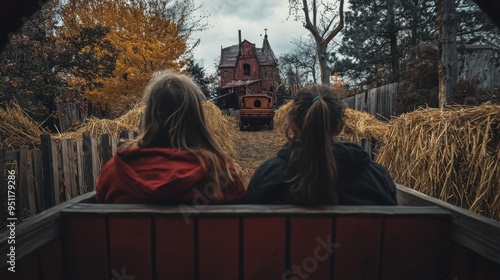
147, 41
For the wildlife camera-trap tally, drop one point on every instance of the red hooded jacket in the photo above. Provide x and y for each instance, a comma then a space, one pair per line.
162, 175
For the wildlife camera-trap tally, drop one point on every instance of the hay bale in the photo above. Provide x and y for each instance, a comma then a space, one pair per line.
130, 121
17, 128
359, 125
223, 128
281, 120
451, 154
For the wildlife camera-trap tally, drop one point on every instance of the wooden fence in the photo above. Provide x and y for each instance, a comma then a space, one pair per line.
377, 101
57, 171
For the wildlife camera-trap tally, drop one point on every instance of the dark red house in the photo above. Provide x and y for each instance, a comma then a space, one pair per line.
244, 69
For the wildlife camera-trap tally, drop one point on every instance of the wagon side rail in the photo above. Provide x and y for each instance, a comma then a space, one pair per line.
475, 239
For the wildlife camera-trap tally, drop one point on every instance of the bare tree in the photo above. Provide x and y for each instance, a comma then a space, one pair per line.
447, 51
303, 59
319, 18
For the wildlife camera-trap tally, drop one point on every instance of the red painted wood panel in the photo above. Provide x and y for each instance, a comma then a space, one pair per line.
218, 248
174, 248
26, 269
358, 245
51, 261
264, 248
130, 247
415, 248
486, 269
310, 250
85, 244
462, 263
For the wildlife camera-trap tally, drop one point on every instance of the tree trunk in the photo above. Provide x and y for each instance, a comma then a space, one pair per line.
447, 52
393, 40
323, 64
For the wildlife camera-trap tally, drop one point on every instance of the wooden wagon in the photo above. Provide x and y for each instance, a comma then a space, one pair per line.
423, 238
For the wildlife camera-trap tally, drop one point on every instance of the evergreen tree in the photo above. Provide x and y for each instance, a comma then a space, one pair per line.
30, 66
198, 74
380, 34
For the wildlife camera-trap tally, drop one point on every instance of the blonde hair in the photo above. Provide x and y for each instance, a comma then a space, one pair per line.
174, 118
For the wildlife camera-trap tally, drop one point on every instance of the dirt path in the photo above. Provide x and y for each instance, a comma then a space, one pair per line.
255, 146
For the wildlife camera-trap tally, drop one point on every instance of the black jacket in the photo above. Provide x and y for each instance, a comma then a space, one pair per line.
361, 180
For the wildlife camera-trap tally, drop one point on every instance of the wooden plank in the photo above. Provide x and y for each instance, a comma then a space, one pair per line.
253, 210
130, 250
66, 188
358, 244
462, 263
486, 269
174, 248
48, 176
80, 166
22, 179
3, 193
106, 148
218, 251
403, 254
51, 261
114, 145
38, 231
12, 155
96, 163
26, 269
72, 168
55, 173
85, 244
264, 250
32, 195
88, 169
476, 232
38, 171
310, 250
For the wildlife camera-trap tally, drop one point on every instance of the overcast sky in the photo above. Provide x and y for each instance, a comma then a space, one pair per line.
251, 17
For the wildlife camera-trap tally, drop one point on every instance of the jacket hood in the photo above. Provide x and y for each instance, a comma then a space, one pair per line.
349, 157
150, 174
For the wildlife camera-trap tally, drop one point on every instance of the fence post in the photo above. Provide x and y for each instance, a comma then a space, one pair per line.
37, 170
106, 149
87, 154
3, 216
22, 167
48, 175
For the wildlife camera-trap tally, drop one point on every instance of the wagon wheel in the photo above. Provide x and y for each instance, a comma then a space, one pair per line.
271, 124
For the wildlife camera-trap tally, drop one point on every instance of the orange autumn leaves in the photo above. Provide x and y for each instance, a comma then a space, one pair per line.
146, 39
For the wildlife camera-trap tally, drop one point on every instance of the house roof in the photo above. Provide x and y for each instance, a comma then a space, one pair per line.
265, 55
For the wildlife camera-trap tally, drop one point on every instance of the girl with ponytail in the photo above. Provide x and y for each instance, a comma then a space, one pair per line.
313, 168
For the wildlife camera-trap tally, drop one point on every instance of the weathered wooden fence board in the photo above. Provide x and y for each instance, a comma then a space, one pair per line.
37, 170
80, 169
54, 165
22, 179
58, 171
377, 101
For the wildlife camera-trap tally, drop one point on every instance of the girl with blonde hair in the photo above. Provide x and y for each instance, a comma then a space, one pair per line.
175, 157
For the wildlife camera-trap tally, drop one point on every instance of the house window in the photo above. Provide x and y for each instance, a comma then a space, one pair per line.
246, 69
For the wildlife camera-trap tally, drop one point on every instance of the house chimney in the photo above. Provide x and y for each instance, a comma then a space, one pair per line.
239, 37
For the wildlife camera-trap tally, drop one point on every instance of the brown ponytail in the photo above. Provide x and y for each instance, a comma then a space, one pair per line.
316, 117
